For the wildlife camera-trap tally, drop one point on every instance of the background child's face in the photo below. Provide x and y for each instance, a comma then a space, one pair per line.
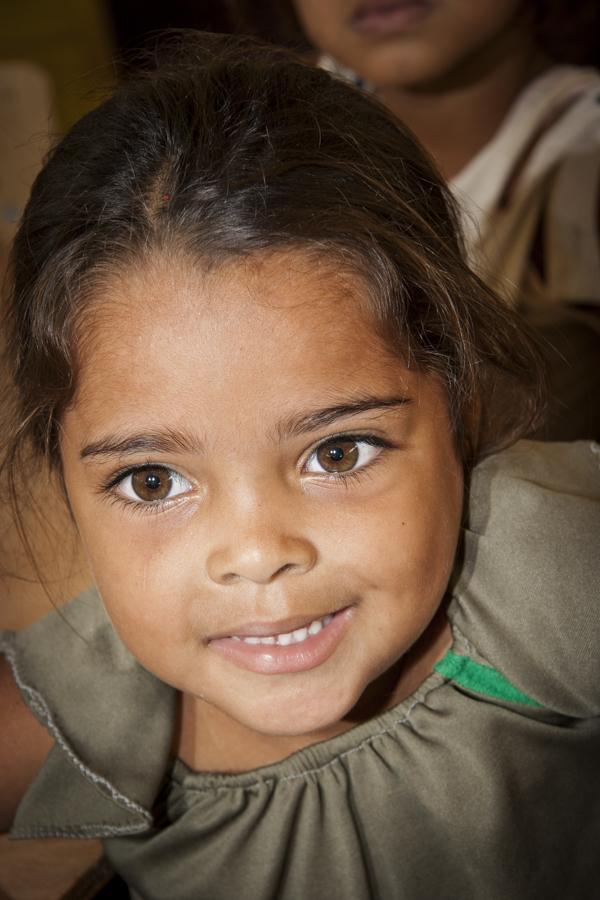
306, 476
409, 43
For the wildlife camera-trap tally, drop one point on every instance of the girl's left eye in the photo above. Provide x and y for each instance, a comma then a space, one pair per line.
341, 455
152, 484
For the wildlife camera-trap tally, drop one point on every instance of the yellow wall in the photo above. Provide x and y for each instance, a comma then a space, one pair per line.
69, 38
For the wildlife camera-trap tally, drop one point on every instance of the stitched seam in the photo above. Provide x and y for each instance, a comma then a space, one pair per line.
403, 720
465, 640
77, 831
38, 705
369, 740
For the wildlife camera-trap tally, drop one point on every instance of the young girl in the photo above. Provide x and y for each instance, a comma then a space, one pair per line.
242, 332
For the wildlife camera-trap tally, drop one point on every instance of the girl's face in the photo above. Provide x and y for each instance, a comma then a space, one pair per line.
269, 500
411, 43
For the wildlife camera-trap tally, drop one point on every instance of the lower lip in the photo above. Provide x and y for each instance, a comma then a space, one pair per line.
270, 659
390, 20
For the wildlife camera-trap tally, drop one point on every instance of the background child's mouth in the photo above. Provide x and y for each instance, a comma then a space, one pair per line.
376, 19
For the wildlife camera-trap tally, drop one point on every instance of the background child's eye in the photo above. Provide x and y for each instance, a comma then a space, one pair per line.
153, 483
341, 455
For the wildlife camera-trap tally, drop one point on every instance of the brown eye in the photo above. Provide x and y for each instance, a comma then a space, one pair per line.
152, 483
337, 456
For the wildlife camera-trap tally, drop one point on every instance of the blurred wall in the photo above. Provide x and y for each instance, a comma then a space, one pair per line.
55, 58
70, 39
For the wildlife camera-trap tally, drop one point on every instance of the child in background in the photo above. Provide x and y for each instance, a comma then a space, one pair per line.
243, 331
516, 131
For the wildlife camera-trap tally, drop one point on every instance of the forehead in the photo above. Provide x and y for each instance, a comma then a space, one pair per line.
176, 293
307, 306
258, 337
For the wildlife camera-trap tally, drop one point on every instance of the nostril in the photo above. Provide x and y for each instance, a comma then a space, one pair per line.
233, 577
230, 578
260, 561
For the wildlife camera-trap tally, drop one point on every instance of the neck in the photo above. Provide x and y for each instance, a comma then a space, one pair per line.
456, 116
208, 740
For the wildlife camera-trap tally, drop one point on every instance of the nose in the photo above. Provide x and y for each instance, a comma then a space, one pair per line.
260, 553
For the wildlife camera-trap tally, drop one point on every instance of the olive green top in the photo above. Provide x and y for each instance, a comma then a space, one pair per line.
483, 785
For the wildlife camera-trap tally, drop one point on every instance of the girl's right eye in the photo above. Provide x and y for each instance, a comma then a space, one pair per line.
152, 484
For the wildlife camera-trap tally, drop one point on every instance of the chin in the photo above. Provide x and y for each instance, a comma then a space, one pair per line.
404, 72
315, 721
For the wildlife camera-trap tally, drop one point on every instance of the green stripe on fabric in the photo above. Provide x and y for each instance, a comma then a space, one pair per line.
481, 679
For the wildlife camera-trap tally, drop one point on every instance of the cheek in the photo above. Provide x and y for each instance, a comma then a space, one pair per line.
402, 543
128, 549
321, 22
139, 580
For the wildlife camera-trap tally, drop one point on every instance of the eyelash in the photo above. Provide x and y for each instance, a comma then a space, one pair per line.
353, 475
107, 489
156, 506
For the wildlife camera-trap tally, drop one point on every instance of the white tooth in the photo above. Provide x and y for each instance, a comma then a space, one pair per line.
290, 637
235, 637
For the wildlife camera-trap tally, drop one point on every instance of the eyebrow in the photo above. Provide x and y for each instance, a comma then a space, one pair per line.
296, 425
170, 441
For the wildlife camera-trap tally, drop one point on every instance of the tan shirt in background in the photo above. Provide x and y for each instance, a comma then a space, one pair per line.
539, 179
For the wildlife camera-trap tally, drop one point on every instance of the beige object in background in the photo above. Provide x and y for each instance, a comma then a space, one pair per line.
26, 122
54, 59
26, 117
70, 40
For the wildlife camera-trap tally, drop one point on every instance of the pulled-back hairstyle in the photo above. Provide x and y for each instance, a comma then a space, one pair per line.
230, 148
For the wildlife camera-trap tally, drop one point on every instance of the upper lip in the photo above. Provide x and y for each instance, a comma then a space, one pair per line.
267, 629
369, 6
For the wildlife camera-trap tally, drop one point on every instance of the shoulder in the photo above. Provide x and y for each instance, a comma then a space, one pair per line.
109, 724
531, 475
527, 593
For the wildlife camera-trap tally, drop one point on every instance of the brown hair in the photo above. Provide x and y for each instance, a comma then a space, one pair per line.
229, 148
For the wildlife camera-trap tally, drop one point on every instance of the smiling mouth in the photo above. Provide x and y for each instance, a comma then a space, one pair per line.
284, 639
285, 647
